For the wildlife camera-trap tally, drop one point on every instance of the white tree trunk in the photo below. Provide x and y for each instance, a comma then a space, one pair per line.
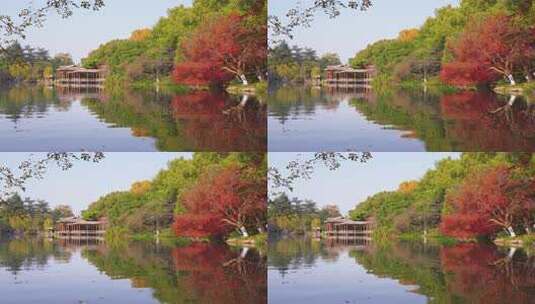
511, 231
511, 79
244, 79
244, 232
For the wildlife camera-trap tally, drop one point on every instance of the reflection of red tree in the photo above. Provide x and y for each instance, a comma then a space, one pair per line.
475, 125
207, 127
215, 274
480, 274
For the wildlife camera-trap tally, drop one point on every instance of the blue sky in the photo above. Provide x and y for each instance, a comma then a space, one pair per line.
86, 30
86, 182
354, 182
354, 30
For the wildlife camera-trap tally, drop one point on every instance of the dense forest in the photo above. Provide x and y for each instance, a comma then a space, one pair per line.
29, 64
295, 216
478, 195
210, 43
213, 195
296, 64
28, 216
477, 43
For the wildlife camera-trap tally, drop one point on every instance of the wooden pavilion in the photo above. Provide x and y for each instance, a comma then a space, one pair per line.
76, 76
346, 76
340, 227
77, 227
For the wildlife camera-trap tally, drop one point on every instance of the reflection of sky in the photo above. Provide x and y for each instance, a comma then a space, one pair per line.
354, 182
352, 31
339, 128
86, 30
73, 130
340, 281
86, 182
74, 282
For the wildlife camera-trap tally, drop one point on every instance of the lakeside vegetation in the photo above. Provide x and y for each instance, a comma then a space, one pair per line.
297, 217
29, 64
208, 44
479, 196
297, 65
29, 217
212, 196
477, 43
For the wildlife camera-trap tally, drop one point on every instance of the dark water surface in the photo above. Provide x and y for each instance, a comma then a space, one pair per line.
41, 119
311, 271
51, 272
310, 119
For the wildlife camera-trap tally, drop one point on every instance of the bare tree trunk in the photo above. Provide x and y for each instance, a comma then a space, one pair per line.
244, 79
244, 232
511, 79
511, 231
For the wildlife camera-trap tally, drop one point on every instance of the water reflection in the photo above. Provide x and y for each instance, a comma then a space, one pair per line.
464, 273
41, 119
70, 271
357, 119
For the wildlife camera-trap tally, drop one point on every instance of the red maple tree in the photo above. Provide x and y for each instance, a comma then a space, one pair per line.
222, 49
489, 49
224, 200
488, 202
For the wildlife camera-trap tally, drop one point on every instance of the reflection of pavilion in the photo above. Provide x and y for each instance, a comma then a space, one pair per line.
78, 93
355, 92
358, 243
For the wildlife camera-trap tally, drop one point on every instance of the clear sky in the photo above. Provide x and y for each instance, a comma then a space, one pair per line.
86, 29
354, 30
354, 182
86, 182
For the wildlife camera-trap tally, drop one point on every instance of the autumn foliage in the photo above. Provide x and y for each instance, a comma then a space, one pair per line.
487, 50
222, 201
222, 49
488, 202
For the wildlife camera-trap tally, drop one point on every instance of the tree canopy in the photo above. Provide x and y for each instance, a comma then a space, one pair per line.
151, 206
429, 203
460, 41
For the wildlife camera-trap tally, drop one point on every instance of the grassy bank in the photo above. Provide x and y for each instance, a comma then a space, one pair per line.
524, 89
259, 88
433, 236
166, 237
258, 240
527, 240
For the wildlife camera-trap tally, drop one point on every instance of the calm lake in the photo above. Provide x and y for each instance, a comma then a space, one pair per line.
51, 272
41, 119
311, 271
312, 119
